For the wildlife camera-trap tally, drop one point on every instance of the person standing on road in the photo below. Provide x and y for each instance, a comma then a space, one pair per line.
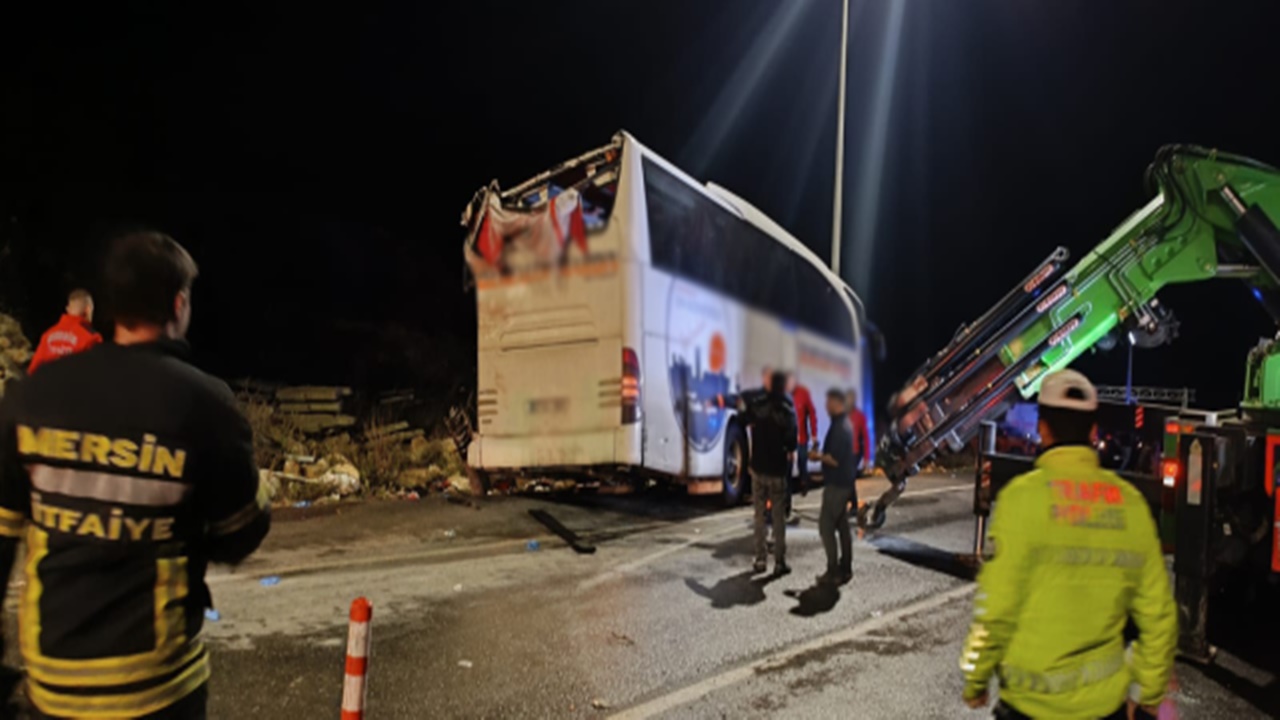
839, 491
773, 446
1076, 556
74, 332
807, 421
125, 471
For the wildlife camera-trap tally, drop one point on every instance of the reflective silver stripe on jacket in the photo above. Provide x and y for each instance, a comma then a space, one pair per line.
107, 487
1094, 671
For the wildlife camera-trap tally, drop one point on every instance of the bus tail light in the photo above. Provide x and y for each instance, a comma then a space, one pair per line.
630, 386
1170, 469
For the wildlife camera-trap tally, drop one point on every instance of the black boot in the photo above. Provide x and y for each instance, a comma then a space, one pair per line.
846, 574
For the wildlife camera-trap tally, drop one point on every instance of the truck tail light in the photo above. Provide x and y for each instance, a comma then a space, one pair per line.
1170, 469
630, 386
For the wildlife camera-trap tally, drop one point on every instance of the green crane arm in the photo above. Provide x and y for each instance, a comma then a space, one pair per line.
1209, 219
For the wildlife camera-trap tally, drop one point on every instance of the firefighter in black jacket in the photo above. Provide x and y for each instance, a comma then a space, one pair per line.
126, 471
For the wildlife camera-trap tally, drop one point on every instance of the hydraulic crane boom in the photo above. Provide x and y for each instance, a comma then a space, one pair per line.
1211, 218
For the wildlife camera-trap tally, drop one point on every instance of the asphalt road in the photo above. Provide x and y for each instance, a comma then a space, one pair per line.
665, 620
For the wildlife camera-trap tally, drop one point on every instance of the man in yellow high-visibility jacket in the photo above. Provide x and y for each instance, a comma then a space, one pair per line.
1076, 555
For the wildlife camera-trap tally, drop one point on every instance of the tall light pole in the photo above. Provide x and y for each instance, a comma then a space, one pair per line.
839, 196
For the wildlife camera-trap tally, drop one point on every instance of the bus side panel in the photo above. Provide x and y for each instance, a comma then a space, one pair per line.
694, 340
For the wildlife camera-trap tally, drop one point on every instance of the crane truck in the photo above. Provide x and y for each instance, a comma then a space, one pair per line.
1215, 491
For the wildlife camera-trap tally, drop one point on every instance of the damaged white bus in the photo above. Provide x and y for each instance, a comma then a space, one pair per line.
619, 301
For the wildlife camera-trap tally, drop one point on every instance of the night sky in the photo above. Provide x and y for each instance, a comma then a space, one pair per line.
316, 162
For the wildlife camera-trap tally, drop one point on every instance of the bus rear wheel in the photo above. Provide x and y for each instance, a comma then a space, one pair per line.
736, 479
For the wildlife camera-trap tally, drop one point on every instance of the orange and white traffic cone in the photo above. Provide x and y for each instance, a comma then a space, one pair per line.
354, 686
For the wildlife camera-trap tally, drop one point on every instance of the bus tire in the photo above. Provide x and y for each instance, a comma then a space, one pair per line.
479, 481
737, 481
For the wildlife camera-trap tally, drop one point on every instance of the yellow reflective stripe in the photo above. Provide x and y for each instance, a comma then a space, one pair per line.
29, 608
242, 517
126, 673
172, 649
171, 591
11, 523
142, 702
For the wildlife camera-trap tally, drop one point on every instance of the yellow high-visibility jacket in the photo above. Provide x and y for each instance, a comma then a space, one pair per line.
1076, 554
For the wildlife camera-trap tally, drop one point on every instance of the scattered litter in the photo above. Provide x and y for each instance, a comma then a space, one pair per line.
457, 588
466, 664
212, 615
622, 639
451, 533
599, 704
697, 531
877, 613
533, 546
270, 580
302, 504
412, 495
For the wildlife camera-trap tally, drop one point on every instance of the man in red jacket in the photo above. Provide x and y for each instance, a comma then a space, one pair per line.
861, 443
807, 422
72, 334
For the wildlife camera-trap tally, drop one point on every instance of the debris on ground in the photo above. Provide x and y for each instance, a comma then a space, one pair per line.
569, 536
451, 533
622, 639
599, 704
457, 588
270, 581
466, 664
212, 615
316, 442
533, 546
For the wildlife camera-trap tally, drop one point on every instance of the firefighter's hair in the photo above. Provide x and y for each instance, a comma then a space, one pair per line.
836, 393
1069, 427
143, 274
79, 295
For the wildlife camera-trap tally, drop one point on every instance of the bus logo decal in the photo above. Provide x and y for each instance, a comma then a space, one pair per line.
698, 363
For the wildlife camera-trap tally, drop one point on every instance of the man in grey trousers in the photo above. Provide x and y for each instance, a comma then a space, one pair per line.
839, 490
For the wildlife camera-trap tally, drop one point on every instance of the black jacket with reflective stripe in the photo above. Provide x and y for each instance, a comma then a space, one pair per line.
127, 471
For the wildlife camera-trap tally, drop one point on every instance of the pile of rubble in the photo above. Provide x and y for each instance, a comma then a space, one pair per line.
308, 409
315, 443
308, 477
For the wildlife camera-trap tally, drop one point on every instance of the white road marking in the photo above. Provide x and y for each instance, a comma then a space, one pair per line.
937, 491
690, 693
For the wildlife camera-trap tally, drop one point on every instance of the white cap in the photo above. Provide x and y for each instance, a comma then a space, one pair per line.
1069, 390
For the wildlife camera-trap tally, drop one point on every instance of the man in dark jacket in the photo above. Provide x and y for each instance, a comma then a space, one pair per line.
839, 491
772, 420
126, 471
